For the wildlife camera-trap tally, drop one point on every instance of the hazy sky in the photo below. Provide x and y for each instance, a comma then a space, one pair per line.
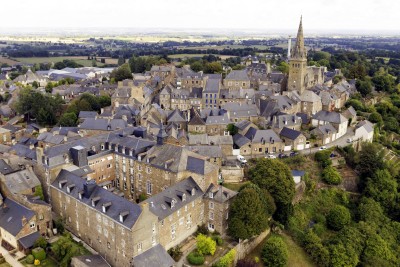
326, 15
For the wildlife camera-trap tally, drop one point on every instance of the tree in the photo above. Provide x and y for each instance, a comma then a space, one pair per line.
274, 252
121, 60
213, 67
35, 84
364, 87
384, 82
370, 160
205, 245
375, 117
338, 217
342, 255
283, 67
323, 158
196, 66
40, 242
122, 72
276, 178
68, 120
331, 176
231, 128
247, 215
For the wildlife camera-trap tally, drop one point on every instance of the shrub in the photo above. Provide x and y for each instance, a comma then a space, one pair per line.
274, 253
202, 229
30, 259
246, 263
175, 253
218, 239
338, 217
226, 260
40, 242
323, 158
195, 258
39, 253
331, 176
205, 245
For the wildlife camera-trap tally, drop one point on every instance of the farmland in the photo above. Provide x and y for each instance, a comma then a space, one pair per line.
80, 60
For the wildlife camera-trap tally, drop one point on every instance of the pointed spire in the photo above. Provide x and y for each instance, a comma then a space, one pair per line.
299, 50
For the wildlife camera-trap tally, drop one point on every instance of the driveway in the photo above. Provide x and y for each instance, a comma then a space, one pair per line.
10, 259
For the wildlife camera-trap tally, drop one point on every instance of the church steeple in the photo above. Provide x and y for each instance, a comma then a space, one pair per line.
299, 50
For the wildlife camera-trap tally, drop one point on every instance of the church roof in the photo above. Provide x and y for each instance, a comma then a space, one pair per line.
299, 50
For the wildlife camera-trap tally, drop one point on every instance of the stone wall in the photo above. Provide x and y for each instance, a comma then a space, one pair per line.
243, 248
232, 174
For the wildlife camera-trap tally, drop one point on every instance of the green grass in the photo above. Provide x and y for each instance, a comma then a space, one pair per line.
196, 55
6, 264
234, 187
297, 256
80, 60
48, 262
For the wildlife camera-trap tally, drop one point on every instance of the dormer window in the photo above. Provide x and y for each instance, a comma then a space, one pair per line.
123, 215
211, 195
173, 202
62, 183
95, 200
184, 197
80, 194
70, 188
106, 206
193, 191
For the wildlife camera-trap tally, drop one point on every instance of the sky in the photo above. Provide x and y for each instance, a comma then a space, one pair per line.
267, 15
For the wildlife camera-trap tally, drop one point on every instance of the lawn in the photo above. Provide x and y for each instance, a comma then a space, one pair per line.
6, 264
4, 60
48, 262
235, 186
196, 55
80, 60
297, 256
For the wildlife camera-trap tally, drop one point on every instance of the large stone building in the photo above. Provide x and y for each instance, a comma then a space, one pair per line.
301, 76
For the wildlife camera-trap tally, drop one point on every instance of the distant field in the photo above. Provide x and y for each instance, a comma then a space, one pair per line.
80, 60
385, 59
4, 60
221, 47
196, 55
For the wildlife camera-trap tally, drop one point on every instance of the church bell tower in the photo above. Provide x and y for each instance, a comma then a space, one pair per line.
298, 63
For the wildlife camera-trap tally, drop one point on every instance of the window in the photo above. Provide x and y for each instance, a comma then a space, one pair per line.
211, 226
211, 215
139, 246
211, 205
148, 170
181, 221
211, 195
149, 187
139, 177
108, 245
32, 225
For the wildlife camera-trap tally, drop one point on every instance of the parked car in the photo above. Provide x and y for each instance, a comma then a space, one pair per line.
241, 159
293, 153
322, 148
333, 155
282, 156
349, 140
270, 156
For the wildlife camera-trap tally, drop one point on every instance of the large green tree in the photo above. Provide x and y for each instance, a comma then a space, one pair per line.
247, 215
275, 252
338, 217
122, 72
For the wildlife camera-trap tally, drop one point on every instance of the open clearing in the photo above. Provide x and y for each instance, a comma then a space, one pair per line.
80, 60
196, 55
4, 60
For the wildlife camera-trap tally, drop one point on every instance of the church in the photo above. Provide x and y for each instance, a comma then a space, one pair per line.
301, 76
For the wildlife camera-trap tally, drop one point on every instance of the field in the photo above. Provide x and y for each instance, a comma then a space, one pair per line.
297, 256
221, 47
80, 60
4, 60
196, 55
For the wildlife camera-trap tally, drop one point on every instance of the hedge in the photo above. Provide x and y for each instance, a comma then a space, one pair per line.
39, 253
195, 258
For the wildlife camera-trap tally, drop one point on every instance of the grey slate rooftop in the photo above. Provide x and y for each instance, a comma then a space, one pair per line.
174, 198
289, 133
11, 214
119, 205
238, 75
154, 257
332, 117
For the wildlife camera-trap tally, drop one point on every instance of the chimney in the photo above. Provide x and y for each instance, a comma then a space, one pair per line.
88, 188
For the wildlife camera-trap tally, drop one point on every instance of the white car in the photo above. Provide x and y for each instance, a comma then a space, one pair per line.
270, 156
349, 140
322, 148
241, 159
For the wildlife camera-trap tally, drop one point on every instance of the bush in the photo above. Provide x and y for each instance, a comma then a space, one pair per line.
246, 263
202, 229
30, 259
338, 217
175, 253
226, 260
323, 158
205, 245
218, 239
195, 258
40, 242
331, 176
39, 253
274, 253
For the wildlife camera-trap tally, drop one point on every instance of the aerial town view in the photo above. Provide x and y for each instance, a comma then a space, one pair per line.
216, 133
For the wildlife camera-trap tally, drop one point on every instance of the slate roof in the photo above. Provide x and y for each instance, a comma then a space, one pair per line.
118, 204
332, 117
216, 120
284, 102
207, 151
238, 75
324, 129
241, 125
212, 86
177, 159
161, 204
91, 261
29, 240
298, 173
368, 126
196, 119
239, 110
154, 257
176, 116
304, 118
309, 96
5, 168
220, 194
50, 138
258, 136
87, 114
19, 181
11, 214
287, 120
103, 124
290, 133
240, 140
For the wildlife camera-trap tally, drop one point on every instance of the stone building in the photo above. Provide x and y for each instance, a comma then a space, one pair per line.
237, 79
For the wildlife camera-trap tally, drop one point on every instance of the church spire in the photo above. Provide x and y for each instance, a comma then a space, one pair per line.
299, 50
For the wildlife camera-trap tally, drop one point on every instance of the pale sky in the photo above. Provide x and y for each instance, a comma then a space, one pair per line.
329, 15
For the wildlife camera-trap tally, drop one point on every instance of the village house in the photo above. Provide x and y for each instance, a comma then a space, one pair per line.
336, 119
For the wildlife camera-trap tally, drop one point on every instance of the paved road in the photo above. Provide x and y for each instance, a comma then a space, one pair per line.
10, 259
